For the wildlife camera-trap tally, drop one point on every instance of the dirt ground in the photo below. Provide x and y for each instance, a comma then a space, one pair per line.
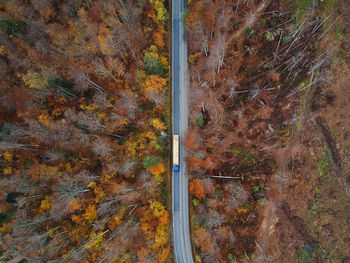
307, 218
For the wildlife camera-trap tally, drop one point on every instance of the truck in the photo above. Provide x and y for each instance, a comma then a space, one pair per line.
176, 160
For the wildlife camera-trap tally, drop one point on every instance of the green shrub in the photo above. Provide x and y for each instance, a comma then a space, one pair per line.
153, 65
5, 217
324, 168
150, 161
200, 122
261, 201
301, 7
218, 192
10, 26
64, 88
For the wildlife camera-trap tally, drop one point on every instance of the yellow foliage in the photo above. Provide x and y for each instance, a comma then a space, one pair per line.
192, 57
164, 254
102, 116
164, 219
118, 219
148, 229
165, 62
2, 52
73, 31
161, 237
97, 190
99, 194
158, 124
150, 135
57, 112
7, 170
89, 108
154, 82
131, 149
135, 146
98, 241
159, 179
35, 80
107, 177
4, 228
157, 208
90, 213
162, 13
91, 185
76, 219
8, 156
45, 204
123, 122
45, 119
68, 167
242, 210
105, 47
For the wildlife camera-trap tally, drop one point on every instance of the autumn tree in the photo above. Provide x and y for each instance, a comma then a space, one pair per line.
196, 189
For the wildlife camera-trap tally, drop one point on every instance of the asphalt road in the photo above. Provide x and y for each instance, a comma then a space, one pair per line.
181, 229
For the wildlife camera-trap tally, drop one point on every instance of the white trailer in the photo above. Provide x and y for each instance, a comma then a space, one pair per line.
176, 145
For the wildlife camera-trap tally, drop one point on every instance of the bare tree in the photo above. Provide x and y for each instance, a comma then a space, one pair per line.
128, 101
156, 96
102, 147
90, 122
214, 219
4, 146
53, 156
232, 86
101, 70
65, 192
101, 100
235, 195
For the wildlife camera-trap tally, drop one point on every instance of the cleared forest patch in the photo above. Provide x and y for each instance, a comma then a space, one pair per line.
254, 135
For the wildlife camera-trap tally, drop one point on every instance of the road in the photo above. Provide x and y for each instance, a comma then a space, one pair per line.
181, 229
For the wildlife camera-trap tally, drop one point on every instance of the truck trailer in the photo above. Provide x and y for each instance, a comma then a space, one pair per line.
176, 160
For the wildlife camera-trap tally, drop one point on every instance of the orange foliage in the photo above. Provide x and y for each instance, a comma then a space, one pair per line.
45, 205
197, 189
74, 205
142, 254
158, 37
190, 141
41, 169
78, 232
154, 82
164, 254
157, 169
90, 213
193, 162
204, 240
208, 164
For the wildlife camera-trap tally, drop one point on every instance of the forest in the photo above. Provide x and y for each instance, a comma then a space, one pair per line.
84, 131
268, 130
